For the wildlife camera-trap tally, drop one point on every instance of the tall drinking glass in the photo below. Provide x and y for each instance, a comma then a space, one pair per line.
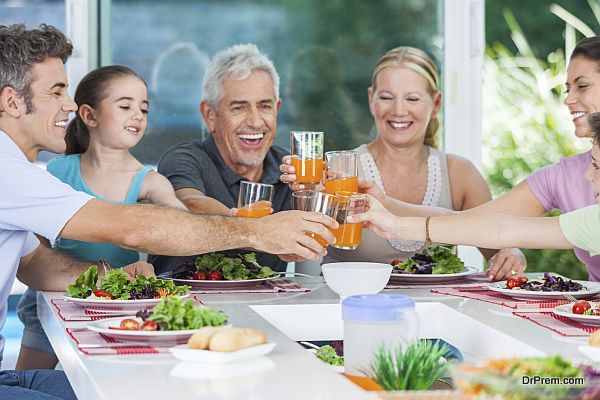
311, 200
342, 172
254, 200
347, 235
306, 149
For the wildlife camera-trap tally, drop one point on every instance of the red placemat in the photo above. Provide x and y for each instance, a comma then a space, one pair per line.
272, 286
482, 293
87, 337
562, 325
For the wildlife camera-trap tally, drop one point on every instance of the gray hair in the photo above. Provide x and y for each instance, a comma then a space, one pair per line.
21, 48
237, 61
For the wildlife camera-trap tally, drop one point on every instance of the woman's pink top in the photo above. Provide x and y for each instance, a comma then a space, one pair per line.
561, 186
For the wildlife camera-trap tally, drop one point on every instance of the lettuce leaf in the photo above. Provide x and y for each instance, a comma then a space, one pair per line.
85, 284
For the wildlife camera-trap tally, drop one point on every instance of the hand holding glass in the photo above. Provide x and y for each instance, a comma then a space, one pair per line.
254, 200
306, 149
348, 235
310, 200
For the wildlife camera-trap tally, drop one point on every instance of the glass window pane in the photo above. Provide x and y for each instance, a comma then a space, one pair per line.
324, 52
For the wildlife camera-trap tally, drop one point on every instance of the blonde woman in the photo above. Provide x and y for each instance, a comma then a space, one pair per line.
405, 163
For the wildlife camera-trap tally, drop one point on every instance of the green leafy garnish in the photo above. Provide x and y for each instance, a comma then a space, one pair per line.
232, 268
174, 314
328, 354
415, 368
114, 282
141, 281
85, 284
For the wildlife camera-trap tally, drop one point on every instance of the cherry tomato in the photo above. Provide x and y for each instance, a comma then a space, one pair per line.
522, 280
199, 276
395, 262
103, 293
215, 276
513, 283
581, 306
149, 326
130, 324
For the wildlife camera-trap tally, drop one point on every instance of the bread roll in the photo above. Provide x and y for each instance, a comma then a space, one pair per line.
200, 339
236, 339
594, 340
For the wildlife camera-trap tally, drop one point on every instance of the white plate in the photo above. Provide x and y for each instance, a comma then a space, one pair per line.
184, 353
591, 352
102, 305
432, 278
566, 310
102, 327
593, 288
224, 284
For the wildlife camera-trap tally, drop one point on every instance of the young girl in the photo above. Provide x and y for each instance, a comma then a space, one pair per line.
111, 119
578, 228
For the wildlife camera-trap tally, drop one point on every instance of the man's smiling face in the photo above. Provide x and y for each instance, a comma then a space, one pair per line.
245, 122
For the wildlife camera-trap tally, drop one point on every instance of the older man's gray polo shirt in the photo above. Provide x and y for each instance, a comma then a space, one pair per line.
198, 165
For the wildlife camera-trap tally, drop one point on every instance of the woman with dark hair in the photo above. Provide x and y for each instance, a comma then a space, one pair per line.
559, 186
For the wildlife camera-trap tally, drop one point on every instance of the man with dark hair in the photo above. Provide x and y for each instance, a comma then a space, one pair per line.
34, 109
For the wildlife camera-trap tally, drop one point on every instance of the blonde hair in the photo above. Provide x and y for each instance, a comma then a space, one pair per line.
418, 61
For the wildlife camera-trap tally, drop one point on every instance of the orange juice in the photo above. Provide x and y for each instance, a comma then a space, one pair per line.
349, 184
347, 236
364, 382
309, 170
258, 209
319, 239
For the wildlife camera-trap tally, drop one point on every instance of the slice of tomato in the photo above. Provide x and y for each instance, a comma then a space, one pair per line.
103, 293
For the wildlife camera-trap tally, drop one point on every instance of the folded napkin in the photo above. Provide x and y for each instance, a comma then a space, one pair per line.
562, 325
87, 337
482, 293
271, 286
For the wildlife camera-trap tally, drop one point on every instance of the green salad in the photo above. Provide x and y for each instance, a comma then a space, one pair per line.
328, 354
433, 260
116, 285
514, 379
242, 267
173, 314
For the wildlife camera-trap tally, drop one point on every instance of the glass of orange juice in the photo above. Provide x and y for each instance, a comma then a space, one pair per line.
347, 235
311, 200
306, 149
342, 172
254, 200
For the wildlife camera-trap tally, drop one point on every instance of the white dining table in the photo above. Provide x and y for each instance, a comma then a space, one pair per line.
294, 373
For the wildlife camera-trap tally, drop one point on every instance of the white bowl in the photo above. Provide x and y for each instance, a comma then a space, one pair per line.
351, 278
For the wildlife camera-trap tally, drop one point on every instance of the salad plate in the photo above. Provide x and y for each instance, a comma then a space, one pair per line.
432, 278
106, 305
591, 289
222, 284
110, 327
184, 353
566, 310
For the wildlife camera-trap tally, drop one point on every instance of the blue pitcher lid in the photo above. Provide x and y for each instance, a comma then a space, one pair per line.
376, 307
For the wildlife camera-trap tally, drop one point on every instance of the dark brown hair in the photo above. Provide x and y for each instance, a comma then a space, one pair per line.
91, 91
594, 121
21, 48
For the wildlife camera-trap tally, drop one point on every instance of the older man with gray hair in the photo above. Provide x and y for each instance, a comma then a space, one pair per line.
240, 106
